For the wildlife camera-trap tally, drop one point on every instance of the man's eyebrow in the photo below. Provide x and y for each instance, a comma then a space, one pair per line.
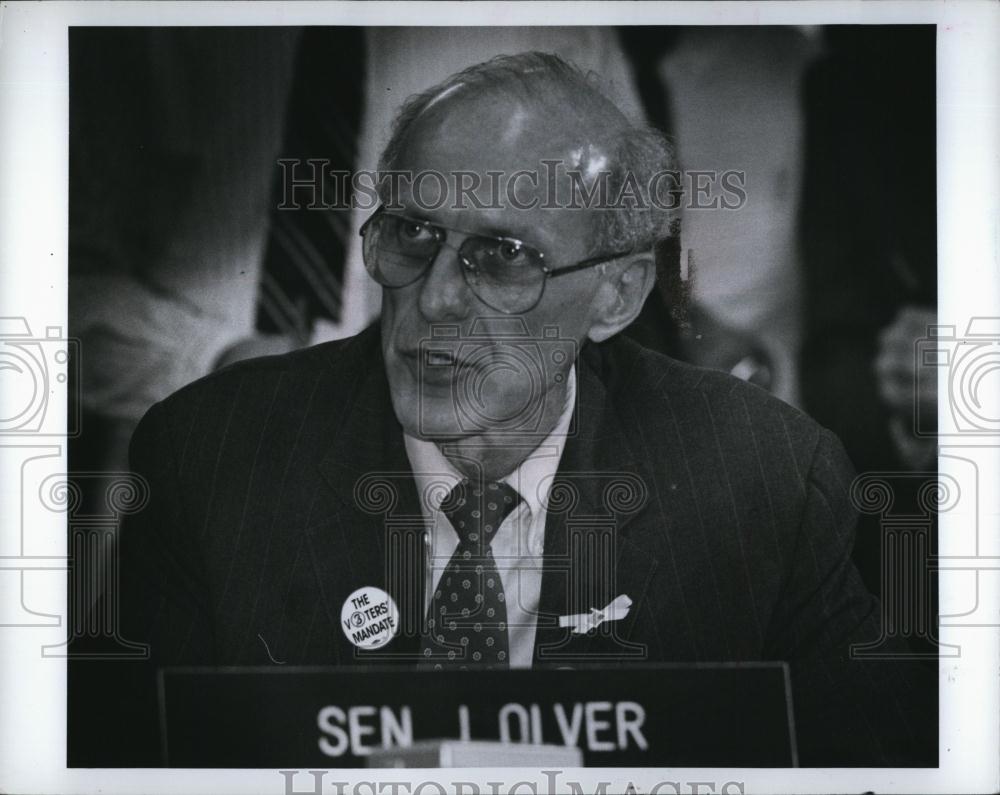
529, 235
521, 235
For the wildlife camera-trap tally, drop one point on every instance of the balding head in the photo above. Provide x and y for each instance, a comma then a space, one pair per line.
538, 103
529, 81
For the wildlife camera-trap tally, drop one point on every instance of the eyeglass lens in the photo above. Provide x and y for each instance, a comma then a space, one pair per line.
505, 275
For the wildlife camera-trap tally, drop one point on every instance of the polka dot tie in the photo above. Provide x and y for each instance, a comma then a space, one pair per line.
467, 622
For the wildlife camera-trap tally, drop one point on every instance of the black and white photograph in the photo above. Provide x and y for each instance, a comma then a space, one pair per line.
453, 387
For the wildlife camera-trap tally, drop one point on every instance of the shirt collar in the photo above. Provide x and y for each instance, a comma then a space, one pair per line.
532, 479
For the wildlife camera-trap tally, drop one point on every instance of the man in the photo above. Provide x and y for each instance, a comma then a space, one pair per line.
494, 456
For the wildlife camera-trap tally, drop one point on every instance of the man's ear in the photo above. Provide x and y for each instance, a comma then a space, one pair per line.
621, 295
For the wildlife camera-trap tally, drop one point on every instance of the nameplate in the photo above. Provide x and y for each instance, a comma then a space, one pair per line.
702, 715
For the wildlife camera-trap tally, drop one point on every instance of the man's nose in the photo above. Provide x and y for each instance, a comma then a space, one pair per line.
444, 294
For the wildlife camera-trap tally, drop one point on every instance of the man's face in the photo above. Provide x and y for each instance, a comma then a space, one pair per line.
499, 378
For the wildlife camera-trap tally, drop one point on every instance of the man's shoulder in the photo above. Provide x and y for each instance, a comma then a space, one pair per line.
699, 403
342, 355
326, 372
742, 451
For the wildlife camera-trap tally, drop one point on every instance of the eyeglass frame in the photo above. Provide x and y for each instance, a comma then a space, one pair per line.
440, 235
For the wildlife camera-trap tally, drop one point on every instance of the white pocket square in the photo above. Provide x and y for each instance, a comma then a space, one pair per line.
584, 622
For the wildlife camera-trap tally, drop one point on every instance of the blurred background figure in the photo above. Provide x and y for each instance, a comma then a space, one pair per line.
173, 138
868, 224
731, 99
868, 237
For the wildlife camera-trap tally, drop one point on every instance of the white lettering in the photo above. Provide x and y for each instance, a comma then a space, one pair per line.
396, 733
358, 730
595, 725
570, 731
630, 717
324, 720
536, 724
522, 718
463, 724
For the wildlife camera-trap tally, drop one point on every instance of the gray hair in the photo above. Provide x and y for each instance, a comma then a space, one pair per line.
543, 78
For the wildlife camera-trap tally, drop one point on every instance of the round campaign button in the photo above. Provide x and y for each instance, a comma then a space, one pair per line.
369, 617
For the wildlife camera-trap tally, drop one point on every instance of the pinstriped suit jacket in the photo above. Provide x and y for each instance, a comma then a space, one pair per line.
281, 485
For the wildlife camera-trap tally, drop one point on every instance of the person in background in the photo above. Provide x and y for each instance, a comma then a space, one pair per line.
868, 238
173, 138
730, 99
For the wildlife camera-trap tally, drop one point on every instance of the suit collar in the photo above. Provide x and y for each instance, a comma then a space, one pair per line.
368, 438
599, 446
376, 528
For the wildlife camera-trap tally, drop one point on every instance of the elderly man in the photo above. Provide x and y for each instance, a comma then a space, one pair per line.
527, 487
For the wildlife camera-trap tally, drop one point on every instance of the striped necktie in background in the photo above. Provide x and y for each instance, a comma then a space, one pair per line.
302, 277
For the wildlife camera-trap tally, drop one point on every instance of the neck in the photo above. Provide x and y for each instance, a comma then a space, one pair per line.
480, 460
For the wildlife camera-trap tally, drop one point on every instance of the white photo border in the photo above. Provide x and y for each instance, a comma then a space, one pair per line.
33, 284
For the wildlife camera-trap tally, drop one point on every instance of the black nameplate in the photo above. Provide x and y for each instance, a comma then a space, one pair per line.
675, 715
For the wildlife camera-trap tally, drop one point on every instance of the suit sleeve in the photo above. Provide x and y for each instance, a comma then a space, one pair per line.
161, 603
850, 709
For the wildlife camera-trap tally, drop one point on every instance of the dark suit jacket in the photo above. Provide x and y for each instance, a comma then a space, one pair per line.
281, 485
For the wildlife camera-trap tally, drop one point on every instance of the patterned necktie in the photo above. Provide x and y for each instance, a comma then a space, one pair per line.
467, 622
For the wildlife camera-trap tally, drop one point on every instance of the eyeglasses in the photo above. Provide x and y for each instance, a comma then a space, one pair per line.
506, 274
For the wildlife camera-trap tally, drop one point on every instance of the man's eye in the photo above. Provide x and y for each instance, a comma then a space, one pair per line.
509, 251
415, 231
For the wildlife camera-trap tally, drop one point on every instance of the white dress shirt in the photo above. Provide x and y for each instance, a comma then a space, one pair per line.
518, 543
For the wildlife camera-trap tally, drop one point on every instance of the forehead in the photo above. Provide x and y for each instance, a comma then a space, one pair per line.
492, 130
516, 153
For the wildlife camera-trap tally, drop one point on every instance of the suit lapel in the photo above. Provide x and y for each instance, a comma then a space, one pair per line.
598, 504
375, 534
